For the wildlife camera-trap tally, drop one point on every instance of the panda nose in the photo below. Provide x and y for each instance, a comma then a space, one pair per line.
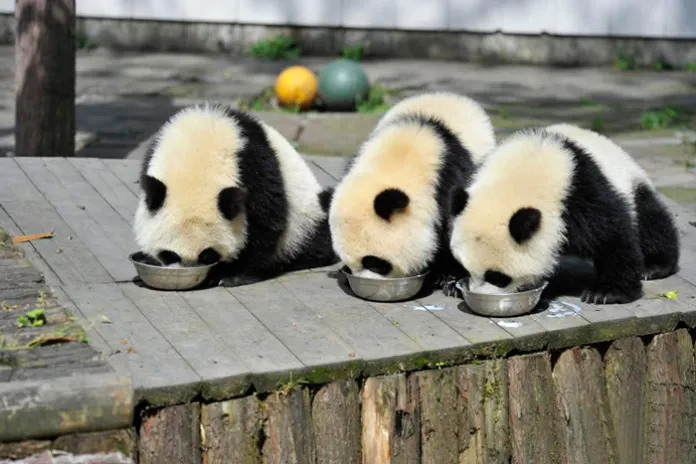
377, 265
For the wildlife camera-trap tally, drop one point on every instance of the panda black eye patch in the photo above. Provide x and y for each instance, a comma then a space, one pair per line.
208, 256
168, 257
231, 202
375, 264
497, 278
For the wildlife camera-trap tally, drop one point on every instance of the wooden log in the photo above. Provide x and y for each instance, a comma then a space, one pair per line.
170, 435
232, 431
671, 405
48, 408
533, 411
288, 428
624, 371
585, 428
439, 410
390, 420
483, 416
109, 441
22, 449
45, 78
336, 423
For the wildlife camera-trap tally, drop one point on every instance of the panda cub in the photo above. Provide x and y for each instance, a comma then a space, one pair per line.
221, 186
562, 190
388, 212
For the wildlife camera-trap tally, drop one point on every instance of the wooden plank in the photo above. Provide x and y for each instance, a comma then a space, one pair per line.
245, 336
48, 408
106, 234
288, 428
65, 252
324, 179
159, 373
28, 249
390, 420
439, 415
483, 417
670, 399
231, 431
657, 314
624, 370
372, 336
128, 171
123, 440
585, 427
421, 326
564, 323
476, 329
108, 185
331, 165
171, 434
336, 422
192, 338
533, 412
299, 329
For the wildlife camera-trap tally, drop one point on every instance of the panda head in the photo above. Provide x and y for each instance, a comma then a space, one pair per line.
508, 227
384, 213
192, 206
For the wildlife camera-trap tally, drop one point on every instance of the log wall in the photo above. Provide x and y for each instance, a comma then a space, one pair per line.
630, 401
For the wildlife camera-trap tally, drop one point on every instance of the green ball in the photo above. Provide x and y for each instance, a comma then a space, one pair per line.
342, 83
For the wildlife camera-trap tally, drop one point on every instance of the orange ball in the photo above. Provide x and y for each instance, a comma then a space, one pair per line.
296, 85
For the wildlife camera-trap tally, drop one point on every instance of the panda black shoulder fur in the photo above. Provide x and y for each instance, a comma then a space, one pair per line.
563, 190
388, 212
219, 185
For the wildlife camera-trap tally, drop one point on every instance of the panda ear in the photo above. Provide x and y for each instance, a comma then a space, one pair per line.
458, 200
325, 197
231, 201
155, 192
524, 223
388, 201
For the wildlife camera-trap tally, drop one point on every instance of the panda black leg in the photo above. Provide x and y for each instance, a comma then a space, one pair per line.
659, 239
238, 280
448, 284
618, 263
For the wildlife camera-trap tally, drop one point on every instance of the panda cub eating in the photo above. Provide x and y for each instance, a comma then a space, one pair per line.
222, 187
562, 190
388, 214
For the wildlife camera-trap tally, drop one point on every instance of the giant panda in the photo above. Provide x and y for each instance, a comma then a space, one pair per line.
388, 212
544, 193
219, 185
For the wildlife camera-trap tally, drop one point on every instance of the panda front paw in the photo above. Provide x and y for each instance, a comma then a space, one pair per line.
610, 295
449, 287
238, 280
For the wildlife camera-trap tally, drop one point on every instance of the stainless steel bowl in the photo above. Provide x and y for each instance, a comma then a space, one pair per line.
501, 304
169, 278
388, 289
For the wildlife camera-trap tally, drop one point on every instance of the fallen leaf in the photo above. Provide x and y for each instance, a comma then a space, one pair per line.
59, 250
104, 319
27, 238
131, 350
351, 355
672, 295
124, 341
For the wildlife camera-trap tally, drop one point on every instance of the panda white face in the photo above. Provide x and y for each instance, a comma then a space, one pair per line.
508, 227
177, 235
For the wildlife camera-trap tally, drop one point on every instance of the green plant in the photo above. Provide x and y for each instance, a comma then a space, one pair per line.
375, 100
275, 48
353, 52
663, 66
588, 101
662, 118
623, 62
597, 124
259, 102
691, 66
34, 318
82, 42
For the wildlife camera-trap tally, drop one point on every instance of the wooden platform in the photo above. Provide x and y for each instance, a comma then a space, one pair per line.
303, 327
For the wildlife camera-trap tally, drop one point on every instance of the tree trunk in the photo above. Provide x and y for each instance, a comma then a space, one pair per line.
45, 78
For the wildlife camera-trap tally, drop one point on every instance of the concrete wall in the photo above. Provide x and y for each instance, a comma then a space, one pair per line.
615, 18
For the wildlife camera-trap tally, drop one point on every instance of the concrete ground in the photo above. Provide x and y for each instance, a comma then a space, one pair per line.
123, 97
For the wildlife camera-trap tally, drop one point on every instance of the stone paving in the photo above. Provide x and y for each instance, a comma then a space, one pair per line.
123, 97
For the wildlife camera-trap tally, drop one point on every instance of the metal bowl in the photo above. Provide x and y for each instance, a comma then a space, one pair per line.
169, 278
501, 304
388, 289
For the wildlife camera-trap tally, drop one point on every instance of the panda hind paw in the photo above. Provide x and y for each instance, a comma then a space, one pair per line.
606, 295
